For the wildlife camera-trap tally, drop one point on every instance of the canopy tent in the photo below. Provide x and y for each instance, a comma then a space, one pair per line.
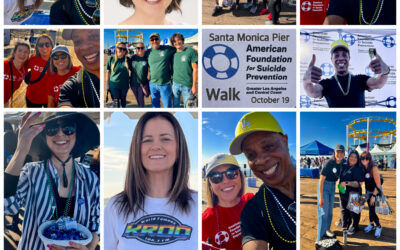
315, 148
392, 151
377, 151
359, 150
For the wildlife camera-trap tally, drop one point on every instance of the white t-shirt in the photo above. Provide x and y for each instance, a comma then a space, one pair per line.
161, 227
12, 13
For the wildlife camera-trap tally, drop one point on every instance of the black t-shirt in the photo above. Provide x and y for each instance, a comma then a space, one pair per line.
255, 223
331, 170
334, 96
65, 12
74, 94
353, 173
350, 10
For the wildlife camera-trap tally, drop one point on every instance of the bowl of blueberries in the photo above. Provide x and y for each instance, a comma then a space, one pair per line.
60, 232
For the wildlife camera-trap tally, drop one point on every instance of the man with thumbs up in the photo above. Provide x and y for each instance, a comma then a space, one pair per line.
344, 90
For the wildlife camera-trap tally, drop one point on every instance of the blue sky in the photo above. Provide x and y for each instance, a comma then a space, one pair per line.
164, 34
218, 130
118, 131
330, 127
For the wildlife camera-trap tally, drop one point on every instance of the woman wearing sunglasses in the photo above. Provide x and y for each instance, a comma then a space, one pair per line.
326, 192
61, 69
36, 96
156, 209
117, 77
350, 178
139, 72
225, 199
373, 187
58, 185
151, 12
15, 70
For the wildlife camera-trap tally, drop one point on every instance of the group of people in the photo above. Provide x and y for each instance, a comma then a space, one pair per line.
79, 12
235, 219
165, 73
351, 174
52, 79
272, 6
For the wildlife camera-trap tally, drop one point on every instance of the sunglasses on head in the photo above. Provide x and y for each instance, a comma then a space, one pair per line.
59, 56
365, 158
140, 48
67, 127
41, 45
121, 48
218, 177
154, 39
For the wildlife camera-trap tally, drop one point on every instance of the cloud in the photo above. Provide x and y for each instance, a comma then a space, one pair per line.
115, 159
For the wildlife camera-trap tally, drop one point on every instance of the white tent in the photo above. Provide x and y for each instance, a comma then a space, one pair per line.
392, 151
377, 151
359, 150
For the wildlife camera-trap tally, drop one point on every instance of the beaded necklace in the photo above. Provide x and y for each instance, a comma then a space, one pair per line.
79, 7
270, 220
83, 89
375, 17
51, 188
340, 86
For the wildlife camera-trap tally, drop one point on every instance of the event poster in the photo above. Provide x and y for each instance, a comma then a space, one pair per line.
318, 42
249, 68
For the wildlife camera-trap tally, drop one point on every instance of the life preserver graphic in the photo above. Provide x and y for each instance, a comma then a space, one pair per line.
220, 61
221, 237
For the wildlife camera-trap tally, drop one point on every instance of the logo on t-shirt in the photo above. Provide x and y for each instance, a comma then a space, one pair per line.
183, 58
157, 229
21, 15
162, 53
221, 237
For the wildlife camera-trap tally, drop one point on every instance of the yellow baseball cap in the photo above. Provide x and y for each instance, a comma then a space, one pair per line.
250, 123
339, 44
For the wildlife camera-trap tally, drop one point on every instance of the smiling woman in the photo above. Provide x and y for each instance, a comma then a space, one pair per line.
57, 185
156, 191
151, 11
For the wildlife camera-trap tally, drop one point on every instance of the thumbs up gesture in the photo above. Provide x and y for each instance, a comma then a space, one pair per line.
378, 66
313, 73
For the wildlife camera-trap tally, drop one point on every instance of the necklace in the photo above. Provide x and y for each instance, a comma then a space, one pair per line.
270, 220
80, 9
51, 188
83, 89
65, 179
340, 86
375, 17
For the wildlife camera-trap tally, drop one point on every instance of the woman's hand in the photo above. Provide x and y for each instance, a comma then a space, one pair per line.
321, 202
27, 133
372, 201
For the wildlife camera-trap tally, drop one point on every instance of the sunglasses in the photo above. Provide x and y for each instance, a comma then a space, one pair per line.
41, 45
139, 48
60, 56
122, 49
218, 177
68, 128
154, 39
365, 158
96, 13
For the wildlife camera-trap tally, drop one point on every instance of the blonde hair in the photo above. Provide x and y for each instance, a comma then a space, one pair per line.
116, 57
212, 199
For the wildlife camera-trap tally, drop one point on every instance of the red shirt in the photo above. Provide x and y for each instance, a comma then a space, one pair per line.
36, 92
18, 77
227, 219
55, 81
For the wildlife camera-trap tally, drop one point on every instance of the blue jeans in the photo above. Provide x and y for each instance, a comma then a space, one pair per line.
326, 212
177, 90
163, 91
119, 96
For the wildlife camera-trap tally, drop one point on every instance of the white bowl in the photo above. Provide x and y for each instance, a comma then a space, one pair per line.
64, 243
